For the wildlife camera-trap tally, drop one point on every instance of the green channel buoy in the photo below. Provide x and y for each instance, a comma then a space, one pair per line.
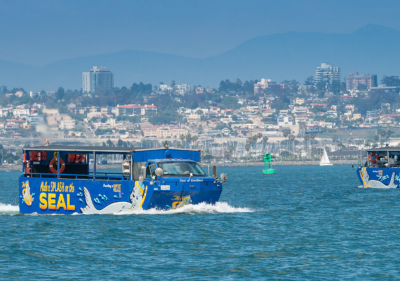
268, 165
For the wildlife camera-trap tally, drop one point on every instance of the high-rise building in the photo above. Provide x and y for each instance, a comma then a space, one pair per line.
98, 78
327, 73
86, 82
354, 80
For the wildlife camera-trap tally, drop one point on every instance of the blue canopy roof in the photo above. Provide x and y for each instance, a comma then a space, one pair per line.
138, 154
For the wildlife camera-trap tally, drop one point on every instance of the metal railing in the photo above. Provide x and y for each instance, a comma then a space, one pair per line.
91, 175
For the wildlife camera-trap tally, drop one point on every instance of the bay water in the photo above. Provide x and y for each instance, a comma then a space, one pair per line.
303, 223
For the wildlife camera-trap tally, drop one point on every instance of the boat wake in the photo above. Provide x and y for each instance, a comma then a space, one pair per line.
202, 208
8, 209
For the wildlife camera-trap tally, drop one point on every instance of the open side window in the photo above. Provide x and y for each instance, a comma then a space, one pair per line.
151, 167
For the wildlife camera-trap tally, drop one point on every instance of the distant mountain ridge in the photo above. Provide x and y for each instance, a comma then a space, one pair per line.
293, 55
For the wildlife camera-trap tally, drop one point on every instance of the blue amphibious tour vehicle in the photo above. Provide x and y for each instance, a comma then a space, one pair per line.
59, 180
382, 168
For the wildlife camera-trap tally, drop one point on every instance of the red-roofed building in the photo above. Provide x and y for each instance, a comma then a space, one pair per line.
15, 122
318, 104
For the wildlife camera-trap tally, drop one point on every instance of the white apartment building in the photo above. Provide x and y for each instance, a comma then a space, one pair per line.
98, 78
164, 132
302, 118
4, 112
90, 115
20, 112
19, 94
165, 88
194, 118
50, 111
133, 110
67, 124
183, 89
327, 73
265, 84
299, 101
34, 119
285, 120
300, 110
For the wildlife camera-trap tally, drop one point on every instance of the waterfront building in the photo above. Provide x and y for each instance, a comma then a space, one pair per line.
327, 73
354, 80
98, 78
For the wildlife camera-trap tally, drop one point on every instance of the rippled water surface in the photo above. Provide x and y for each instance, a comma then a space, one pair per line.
301, 223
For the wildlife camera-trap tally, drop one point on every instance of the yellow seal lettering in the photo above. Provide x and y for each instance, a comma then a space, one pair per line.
61, 202
43, 201
52, 201
69, 206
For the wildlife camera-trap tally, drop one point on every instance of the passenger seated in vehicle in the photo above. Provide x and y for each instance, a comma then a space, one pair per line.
391, 161
396, 160
381, 161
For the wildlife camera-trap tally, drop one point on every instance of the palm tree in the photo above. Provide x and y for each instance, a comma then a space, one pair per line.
194, 138
259, 136
247, 148
389, 133
383, 134
231, 150
285, 134
292, 138
182, 137
250, 142
376, 138
306, 138
265, 139
312, 137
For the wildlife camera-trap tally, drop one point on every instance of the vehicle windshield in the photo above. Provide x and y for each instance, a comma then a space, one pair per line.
181, 168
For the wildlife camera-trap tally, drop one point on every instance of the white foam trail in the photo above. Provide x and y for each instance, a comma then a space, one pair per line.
6, 208
202, 208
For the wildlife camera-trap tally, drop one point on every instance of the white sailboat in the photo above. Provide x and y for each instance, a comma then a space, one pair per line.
325, 159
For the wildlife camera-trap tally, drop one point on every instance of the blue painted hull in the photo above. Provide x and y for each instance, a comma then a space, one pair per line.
378, 177
66, 196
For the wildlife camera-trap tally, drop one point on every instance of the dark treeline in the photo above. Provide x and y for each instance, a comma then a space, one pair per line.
239, 87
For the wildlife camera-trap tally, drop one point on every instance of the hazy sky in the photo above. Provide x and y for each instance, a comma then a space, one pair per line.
42, 31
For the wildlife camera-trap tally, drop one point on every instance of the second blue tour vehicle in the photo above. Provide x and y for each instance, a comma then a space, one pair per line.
382, 168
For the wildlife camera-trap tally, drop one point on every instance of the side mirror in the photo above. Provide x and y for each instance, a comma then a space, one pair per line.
223, 177
159, 172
